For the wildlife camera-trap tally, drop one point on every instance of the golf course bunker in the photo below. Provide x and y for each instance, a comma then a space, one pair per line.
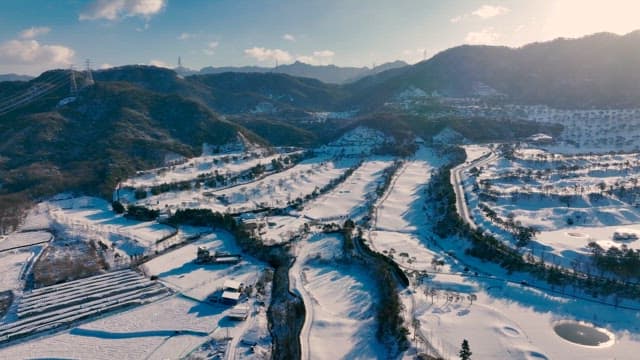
583, 334
509, 331
575, 234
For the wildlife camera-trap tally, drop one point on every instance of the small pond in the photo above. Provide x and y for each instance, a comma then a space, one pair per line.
582, 334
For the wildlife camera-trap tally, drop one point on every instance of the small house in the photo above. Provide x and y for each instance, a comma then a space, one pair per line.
239, 312
230, 297
233, 285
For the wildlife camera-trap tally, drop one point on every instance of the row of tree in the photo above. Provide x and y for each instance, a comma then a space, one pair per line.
623, 261
216, 179
522, 234
486, 246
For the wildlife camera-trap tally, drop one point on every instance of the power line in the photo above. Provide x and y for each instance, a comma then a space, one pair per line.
72, 79
33, 93
35, 88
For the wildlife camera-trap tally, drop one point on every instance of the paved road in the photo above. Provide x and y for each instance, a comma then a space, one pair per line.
456, 181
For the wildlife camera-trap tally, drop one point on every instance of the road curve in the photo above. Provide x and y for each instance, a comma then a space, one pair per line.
458, 188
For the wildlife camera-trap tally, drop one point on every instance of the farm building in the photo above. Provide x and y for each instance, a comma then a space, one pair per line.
239, 312
230, 297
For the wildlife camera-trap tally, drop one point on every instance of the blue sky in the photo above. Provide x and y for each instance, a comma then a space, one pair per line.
36, 35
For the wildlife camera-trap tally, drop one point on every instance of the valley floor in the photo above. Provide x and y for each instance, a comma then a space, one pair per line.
452, 296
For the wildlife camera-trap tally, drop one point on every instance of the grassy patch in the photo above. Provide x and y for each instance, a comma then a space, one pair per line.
67, 260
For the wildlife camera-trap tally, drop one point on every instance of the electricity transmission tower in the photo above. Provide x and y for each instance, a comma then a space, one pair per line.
73, 86
89, 76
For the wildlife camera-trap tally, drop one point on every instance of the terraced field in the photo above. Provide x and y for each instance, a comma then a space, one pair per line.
59, 305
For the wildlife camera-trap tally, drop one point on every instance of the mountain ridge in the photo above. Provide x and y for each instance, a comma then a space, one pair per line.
599, 70
15, 77
331, 74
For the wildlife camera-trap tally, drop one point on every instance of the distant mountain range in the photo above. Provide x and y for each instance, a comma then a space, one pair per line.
601, 70
331, 74
14, 77
134, 115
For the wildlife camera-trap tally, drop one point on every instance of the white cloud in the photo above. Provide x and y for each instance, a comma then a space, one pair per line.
323, 54
186, 36
486, 36
211, 47
413, 56
34, 32
262, 54
319, 57
289, 37
105, 66
160, 63
30, 56
483, 12
118, 9
489, 11
306, 59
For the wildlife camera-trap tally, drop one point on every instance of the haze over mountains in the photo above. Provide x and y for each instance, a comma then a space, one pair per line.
14, 77
600, 70
326, 73
331, 74
135, 114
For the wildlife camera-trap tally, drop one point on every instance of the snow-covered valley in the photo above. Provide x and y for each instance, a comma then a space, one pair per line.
158, 288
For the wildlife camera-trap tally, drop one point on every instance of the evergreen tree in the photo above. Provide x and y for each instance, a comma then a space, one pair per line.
465, 352
117, 206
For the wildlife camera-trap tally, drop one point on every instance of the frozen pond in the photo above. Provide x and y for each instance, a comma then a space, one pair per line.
583, 334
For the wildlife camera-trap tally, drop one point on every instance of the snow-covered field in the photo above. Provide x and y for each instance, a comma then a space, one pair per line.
275, 190
350, 196
24, 239
571, 242
589, 196
59, 305
509, 321
167, 329
177, 270
233, 163
400, 220
504, 319
410, 250
343, 315
339, 302
200, 282
280, 188
401, 208
474, 152
12, 265
358, 142
347, 200
279, 229
93, 217
597, 130
37, 218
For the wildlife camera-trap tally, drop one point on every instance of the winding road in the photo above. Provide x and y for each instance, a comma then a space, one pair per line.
458, 187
